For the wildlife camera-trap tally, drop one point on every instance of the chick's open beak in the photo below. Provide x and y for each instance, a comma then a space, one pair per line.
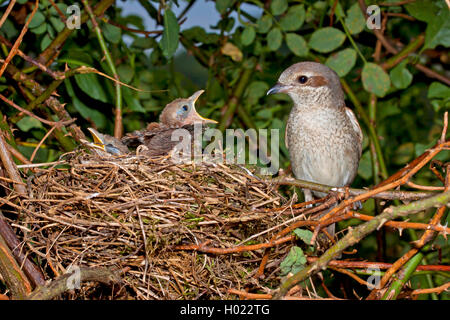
98, 140
194, 115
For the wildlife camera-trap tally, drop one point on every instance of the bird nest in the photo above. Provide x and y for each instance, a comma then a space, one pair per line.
143, 217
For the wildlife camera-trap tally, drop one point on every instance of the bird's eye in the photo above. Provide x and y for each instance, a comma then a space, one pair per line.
303, 79
185, 108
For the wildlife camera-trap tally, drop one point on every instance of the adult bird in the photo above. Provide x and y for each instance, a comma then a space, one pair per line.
157, 137
323, 135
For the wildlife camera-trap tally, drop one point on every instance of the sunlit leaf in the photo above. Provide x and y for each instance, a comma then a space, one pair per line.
294, 262
375, 79
294, 18
232, 51
248, 35
27, 123
274, 39
264, 24
169, 41
304, 234
342, 61
297, 44
326, 39
355, 20
278, 6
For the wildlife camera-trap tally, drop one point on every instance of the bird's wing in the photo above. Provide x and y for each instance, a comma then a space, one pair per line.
286, 137
355, 126
138, 137
161, 143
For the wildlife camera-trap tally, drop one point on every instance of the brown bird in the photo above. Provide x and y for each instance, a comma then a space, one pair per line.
157, 137
323, 135
105, 145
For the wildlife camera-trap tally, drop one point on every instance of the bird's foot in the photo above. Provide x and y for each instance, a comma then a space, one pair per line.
342, 193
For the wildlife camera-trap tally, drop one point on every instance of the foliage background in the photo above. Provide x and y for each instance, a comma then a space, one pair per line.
400, 105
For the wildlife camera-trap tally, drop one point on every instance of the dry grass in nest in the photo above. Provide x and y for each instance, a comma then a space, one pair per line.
129, 212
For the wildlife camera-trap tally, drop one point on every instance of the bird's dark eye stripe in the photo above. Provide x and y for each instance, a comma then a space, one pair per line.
302, 79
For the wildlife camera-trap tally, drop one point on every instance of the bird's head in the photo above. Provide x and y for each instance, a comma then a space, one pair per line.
107, 143
309, 83
181, 112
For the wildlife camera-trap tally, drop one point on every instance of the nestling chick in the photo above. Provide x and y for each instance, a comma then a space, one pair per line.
323, 135
180, 113
105, 144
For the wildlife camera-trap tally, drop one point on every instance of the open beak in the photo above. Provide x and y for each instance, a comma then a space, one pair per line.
279, 88
98, 141
195, 116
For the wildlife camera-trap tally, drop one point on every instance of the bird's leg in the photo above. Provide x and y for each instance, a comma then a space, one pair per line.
308, 197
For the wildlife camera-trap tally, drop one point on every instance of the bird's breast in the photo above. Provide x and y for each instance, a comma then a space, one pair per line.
323, 147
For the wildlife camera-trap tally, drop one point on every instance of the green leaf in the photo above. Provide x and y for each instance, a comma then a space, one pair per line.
223, 5
297, 44
264, 114
438, 90
143, 43
57, 23
400, 76
90, 114
37, 20
42, 28
274, 39
438, 30
256, 90
326, 39
355, 20
248, 35
61, 6
45, 42
90, 85
294, 262
264, 24
294, 18
278, 6
125, 72
9, 29
342, 61
304, 234
27, 123
169, 41
423, 10
375, 79
111, 33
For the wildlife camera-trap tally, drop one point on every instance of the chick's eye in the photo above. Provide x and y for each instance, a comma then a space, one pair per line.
184, 108
303, 79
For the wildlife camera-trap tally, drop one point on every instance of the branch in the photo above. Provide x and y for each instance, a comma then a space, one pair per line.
118, 125
51, 52
16, 45
10, 166
63, 283
15, 280
358, 233
9, 236
387, 195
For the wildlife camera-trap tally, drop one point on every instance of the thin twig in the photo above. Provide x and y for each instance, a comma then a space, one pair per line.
16, 45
